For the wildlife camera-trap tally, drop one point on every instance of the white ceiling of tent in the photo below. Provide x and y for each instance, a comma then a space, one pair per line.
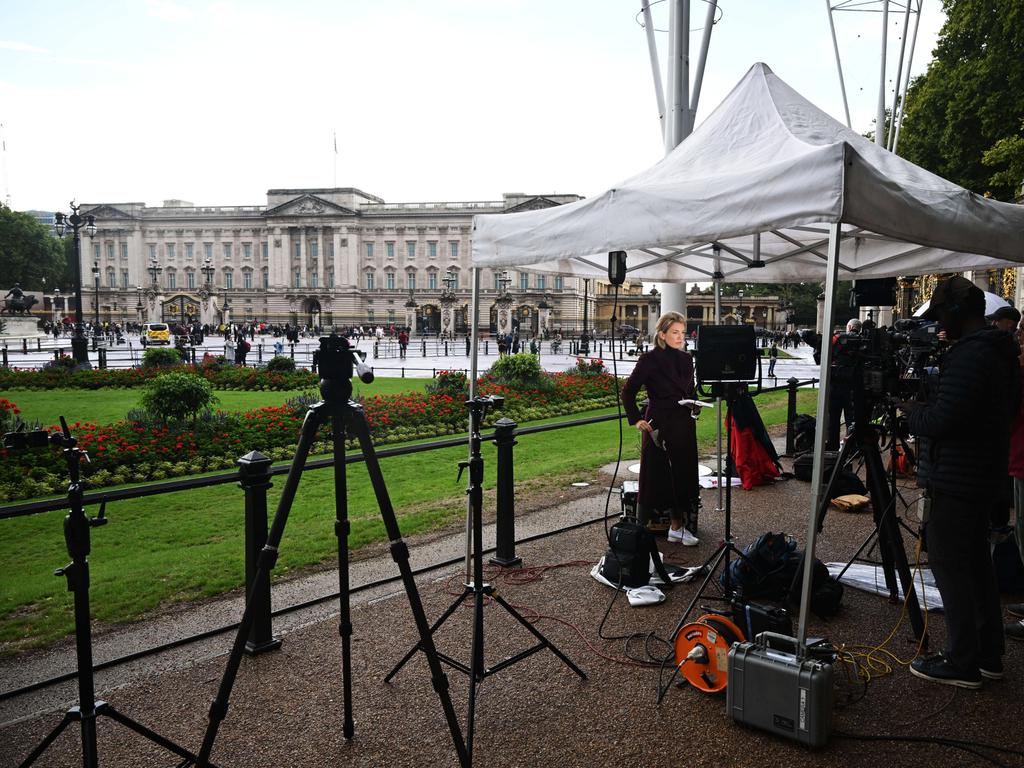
766, 172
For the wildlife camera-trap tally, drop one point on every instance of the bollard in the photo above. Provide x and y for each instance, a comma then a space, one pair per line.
505, 524
467, 346
254, 480
423, 342
103, 358
600, 350
24, 346
486, 347
39, 345
403, 373
292, 351
446, 349
791, 416
6, 365
376, 350
259, 352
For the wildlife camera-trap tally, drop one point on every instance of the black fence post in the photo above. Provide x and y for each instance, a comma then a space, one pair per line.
259, 352
424, 347
56, 354
24, 346
467, 346
254, 480
791, 415
39, 344
505, 527
6, 365
102, 358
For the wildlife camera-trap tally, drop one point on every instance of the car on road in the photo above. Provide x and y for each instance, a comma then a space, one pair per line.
156, 333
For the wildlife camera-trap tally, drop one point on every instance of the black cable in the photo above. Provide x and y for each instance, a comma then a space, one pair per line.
974, 747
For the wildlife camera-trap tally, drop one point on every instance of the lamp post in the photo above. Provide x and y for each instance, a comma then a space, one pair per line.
739, 307
207, 270
76, 222
96, 283
56, 306
138, 306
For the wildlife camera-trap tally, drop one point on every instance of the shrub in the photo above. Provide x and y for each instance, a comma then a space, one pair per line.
588, 367
454, 383
176, 396
281, 364
62, 363
161, 357
522, 370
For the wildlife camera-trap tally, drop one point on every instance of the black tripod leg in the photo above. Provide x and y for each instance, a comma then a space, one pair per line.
712, 566
267, 559
69, 717
894, 556
342, 528
400, 554
102, 708
433, 628
537, 634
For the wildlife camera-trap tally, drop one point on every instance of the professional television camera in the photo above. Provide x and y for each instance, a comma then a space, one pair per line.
890, 365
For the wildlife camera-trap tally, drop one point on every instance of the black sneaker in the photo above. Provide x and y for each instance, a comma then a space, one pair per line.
1016, 609
1015, 630
938, 669
991, 669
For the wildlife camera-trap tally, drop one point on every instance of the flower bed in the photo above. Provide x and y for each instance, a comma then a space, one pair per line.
219, 376
132, 451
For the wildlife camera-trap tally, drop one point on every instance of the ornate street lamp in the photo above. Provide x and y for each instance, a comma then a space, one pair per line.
57, 317
61, 223
154, 272
138, 306
504, 281
207, 270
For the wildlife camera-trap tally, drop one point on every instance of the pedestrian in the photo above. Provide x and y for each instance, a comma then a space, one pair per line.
773, 355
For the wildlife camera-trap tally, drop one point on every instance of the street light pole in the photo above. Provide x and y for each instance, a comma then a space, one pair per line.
96, 282
61, 222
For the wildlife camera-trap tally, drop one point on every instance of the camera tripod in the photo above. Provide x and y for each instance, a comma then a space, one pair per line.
476, 588
863, 438
335, 360
77, 537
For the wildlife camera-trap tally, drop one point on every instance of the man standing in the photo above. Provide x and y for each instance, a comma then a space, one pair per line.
773, 355
963, 455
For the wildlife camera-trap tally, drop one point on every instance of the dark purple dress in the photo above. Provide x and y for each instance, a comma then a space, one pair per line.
668, 478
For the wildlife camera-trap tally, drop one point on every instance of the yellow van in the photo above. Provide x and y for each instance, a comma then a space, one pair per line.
156, 333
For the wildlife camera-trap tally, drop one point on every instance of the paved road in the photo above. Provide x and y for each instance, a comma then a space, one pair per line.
387, 361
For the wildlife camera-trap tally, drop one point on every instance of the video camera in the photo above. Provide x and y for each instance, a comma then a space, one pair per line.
894, 363
336, 361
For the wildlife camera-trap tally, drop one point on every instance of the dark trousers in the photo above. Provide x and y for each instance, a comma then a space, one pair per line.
961, 561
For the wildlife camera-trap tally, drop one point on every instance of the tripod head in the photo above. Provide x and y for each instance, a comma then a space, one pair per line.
336, 361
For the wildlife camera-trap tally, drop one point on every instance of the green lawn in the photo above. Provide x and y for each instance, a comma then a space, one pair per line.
104, 406
182, 546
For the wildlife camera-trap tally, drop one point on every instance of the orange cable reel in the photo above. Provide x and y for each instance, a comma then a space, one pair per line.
702, 651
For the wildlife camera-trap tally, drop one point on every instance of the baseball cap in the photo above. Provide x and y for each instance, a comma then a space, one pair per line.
1005, 313
956, 293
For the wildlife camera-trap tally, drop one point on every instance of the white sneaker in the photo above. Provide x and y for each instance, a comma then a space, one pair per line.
676, 535
688, 539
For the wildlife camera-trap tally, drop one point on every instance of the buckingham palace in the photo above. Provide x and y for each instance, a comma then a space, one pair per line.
317, 257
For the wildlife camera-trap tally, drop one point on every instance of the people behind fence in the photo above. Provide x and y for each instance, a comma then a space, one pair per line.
403, 343
668, 452
963, 448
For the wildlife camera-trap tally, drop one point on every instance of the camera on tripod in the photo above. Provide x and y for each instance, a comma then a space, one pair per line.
336, 361
894, 363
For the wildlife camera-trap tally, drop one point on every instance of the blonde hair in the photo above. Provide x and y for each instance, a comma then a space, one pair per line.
664, 323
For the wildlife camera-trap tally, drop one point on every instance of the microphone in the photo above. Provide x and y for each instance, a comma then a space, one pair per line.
364, 371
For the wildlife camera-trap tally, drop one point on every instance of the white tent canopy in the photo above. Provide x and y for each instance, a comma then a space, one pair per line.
767, 171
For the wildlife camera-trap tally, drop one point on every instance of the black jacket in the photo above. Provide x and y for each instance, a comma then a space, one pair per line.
966, 427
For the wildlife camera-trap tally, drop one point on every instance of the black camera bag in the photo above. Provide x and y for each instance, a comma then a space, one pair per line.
627, 562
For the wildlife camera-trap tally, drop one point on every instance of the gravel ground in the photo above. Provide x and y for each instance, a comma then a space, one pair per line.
286, 706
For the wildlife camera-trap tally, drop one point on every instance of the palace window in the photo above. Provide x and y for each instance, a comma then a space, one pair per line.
369, 250
541, 281
169, 249
524, 281
189, 254
432, 248
314, 279
411, 281
208, 250
229, 279
389, 249
111, 278
369, 281
124, 278
124, 251
172, 279
266, 277
432, 279
390, 277
453, 247
330, 278
227, 251
247, 279
410, 248
190, 279
559, 282
110, 250
247, 251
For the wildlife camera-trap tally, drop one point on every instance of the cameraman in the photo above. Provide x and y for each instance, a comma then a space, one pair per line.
840, 402
963, 455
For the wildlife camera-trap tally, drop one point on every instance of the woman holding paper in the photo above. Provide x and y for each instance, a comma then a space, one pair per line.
668, 453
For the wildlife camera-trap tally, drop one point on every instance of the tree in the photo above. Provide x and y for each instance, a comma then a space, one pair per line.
29, 253
969, 105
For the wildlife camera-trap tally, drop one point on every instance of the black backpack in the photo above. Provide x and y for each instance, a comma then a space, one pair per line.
627, 563
803, 432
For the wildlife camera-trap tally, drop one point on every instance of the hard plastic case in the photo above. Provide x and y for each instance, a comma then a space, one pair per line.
770, 688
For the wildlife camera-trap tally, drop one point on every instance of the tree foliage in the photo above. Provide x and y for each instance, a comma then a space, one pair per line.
29, 253
969, 105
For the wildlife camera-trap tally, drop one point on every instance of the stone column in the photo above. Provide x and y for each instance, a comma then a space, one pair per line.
304, 258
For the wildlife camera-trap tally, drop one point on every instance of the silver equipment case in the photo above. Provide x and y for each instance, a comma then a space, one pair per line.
773, 689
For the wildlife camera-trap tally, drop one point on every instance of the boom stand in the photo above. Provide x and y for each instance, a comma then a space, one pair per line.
727, 391
334, 360
77, 538
477, 588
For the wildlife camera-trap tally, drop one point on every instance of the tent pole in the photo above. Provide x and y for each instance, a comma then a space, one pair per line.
698, 78
652, 49
839, 64
718, 399
673, 295
821, 432
880, 115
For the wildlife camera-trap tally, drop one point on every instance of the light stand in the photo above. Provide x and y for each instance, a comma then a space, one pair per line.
79, 344
96, 306
476, 587
77, 526
334, 360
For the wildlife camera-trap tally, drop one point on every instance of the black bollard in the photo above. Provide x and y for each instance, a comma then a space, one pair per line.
293, 350
24, 346
254, 480
467, 346
791, 416
505, 523
103, 358
259, 352
39, 345
6, 365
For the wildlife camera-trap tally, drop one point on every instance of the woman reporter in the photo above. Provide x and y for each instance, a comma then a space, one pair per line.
668, 453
